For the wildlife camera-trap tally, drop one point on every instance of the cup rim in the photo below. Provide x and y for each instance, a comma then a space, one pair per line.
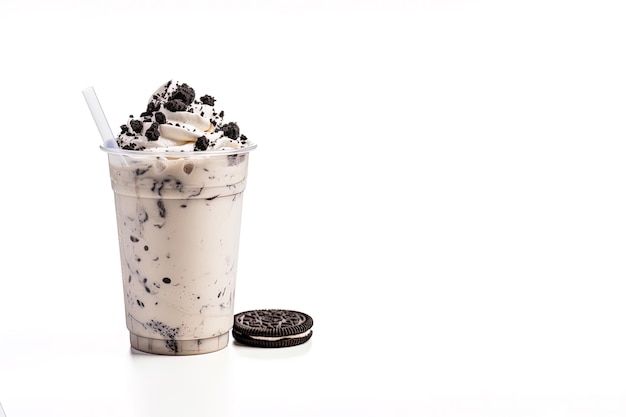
178, 154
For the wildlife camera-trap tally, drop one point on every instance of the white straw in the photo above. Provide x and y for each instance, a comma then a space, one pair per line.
98, 116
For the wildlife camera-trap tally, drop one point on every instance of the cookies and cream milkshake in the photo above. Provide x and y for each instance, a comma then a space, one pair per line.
178, 177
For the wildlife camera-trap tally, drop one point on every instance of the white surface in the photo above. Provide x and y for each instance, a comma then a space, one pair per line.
457, 233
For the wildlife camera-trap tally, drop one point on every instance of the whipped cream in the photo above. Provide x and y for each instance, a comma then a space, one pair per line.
175, 120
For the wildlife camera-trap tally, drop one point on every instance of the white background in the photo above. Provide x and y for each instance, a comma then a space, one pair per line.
440, 184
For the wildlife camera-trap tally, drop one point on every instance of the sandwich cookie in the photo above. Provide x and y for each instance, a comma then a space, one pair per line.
272, 328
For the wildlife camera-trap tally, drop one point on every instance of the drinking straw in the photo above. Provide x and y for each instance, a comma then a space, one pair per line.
98, 116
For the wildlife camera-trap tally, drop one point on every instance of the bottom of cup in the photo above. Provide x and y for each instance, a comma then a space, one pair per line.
178, 347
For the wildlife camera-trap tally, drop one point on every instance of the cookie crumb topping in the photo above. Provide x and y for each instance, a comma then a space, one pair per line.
189, 123
231, 130
153, 132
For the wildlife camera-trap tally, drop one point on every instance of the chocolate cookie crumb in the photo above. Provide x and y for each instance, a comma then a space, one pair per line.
175, 105
208, 100
184, 93
136, 125
159, 117
152, 133
201, 144
231, 130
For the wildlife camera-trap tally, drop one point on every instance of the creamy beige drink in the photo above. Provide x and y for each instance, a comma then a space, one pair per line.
178, 198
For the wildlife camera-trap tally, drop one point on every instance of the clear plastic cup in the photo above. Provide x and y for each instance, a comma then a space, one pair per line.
178, 218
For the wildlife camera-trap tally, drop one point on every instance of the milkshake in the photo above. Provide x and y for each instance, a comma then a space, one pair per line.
178, 178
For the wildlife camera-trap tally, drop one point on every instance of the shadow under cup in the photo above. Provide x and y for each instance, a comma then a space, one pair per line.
179, 220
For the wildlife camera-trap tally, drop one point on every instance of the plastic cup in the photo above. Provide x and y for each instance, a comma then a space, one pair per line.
178, 219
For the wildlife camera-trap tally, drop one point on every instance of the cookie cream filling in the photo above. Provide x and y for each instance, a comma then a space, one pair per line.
295, 336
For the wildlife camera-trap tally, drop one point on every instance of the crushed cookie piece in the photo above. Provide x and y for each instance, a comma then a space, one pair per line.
185, 94
231, 130
202, 144
160, 118
152, 133
136, 125
208, 100
175, 105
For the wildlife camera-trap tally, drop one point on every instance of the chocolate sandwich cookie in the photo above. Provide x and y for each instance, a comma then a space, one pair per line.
272, 328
